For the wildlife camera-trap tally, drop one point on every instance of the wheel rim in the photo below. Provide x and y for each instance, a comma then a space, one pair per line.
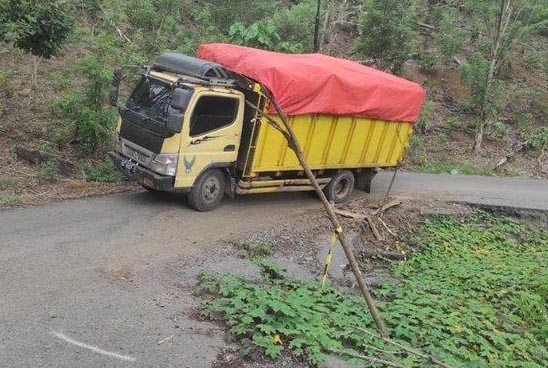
342, 188
211, 189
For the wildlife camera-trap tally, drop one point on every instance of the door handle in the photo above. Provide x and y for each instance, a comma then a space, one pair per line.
229, 148
200, 140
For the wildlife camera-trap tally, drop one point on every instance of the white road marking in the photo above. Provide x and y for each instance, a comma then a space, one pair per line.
92, 348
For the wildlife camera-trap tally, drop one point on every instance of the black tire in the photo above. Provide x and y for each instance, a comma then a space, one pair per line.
208, 191
340, 187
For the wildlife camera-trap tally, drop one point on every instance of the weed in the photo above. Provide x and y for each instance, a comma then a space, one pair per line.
498, 130
452, 123
10, 200
427, 114
62, 81
416, 151
7, 83
103, 171
254, 249
6, 182
539, 139
46, 146
478, 287
48, 171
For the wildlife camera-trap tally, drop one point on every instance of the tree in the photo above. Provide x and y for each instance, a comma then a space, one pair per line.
503, 24
37, 27
388, 32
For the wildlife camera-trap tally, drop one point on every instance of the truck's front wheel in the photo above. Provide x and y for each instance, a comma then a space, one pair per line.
340, 187
208, 191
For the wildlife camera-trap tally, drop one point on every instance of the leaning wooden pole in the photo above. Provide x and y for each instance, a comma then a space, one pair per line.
295, 146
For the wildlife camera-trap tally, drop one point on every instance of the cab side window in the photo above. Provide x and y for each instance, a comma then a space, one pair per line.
212, 113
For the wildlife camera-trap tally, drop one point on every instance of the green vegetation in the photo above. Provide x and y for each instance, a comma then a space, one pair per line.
254, 249
388, 32
7, 200
475, 295
48, 171
447, 167
103, 171
6, 182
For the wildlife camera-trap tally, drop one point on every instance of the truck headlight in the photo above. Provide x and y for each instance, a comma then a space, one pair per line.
165, 164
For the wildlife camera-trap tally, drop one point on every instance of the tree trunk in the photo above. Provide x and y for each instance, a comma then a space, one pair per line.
502, 24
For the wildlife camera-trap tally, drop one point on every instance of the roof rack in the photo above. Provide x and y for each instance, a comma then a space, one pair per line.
193, 70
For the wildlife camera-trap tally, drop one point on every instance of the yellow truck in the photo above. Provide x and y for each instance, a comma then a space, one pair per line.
186, 127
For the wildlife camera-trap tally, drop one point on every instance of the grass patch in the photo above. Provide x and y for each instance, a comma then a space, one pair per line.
476, 296
10, 200
254, 249
48, 170
6, 182
444, 167
103, 171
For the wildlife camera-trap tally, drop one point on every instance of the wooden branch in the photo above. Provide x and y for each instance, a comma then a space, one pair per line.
373, 228
392, 203
428, 26
387, 228
418, 353
348, 214
121, 34
295, 146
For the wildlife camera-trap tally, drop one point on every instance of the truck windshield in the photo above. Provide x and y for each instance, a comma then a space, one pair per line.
151, 97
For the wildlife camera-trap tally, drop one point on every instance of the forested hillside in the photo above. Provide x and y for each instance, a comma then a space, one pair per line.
483, 63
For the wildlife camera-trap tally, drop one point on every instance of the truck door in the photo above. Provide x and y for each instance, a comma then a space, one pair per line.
212, 135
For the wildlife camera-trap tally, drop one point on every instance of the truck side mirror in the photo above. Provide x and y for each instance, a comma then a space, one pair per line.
174, 121
180, 99
115, 87
179, 102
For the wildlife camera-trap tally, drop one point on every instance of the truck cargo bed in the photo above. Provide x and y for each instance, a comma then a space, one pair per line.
329, 142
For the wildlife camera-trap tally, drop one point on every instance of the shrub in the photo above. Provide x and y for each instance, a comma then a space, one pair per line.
86, 110
48, 170
388, 32
261, 34
103, 171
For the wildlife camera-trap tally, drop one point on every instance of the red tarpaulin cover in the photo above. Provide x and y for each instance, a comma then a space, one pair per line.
315, 83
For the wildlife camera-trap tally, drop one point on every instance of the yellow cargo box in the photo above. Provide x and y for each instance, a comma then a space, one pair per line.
330, 142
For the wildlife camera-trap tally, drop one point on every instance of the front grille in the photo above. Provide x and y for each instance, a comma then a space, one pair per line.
138, 154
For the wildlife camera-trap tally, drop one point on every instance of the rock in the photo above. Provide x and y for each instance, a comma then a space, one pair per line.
64, 167
454, 172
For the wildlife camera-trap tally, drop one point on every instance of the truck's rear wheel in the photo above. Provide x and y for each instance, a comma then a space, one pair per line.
340, 187
208, 191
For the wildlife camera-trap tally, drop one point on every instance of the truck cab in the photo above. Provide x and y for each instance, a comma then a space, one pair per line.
175, 129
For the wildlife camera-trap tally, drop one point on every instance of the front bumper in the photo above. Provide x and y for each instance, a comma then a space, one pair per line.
141, 174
